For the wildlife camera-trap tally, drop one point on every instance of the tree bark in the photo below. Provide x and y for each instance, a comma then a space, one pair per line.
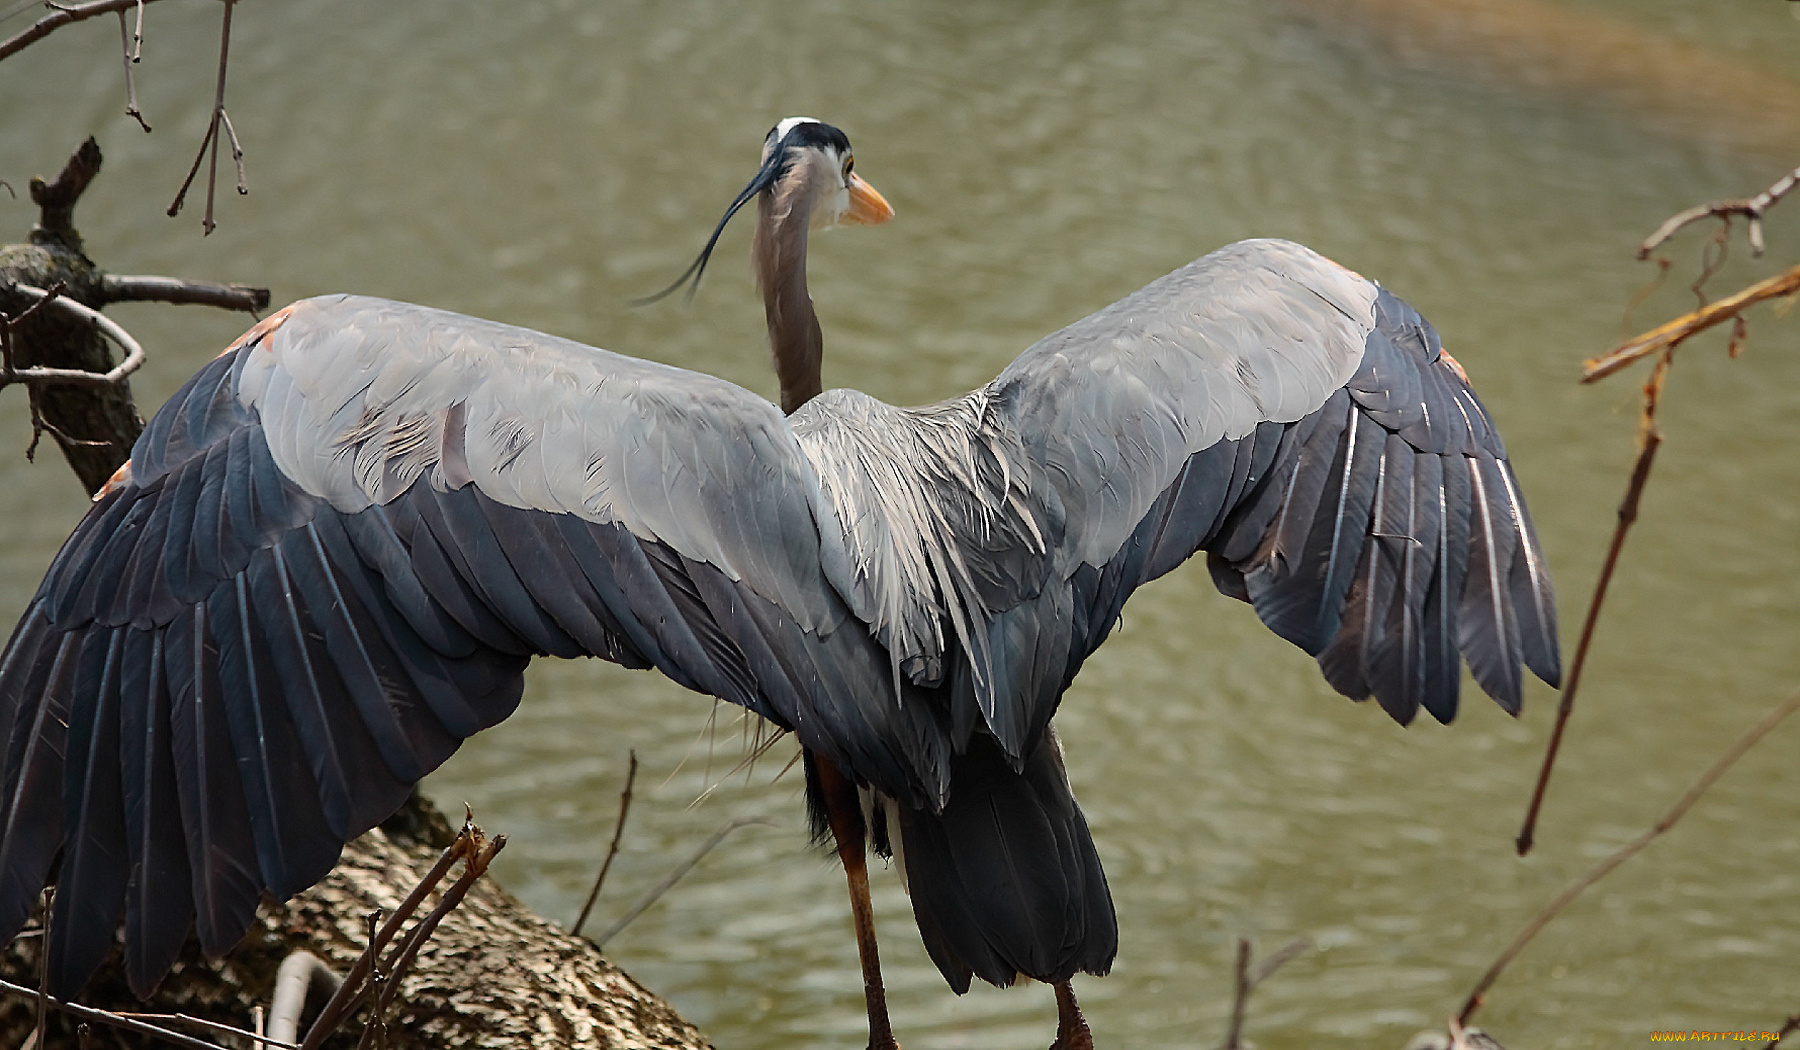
492, 975
95, 427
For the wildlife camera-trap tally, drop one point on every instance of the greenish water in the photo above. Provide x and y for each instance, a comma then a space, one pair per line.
541, 163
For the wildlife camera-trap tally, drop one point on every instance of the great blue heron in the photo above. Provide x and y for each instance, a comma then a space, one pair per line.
335, 549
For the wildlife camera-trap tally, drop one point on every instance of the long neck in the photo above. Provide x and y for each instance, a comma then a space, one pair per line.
779, 252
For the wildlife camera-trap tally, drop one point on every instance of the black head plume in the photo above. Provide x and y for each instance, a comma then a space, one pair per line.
794, 132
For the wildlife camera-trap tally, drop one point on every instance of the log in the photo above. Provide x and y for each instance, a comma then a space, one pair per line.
492, 975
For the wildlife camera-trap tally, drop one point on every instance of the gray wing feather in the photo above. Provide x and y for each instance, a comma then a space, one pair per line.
1262, 403
343, 539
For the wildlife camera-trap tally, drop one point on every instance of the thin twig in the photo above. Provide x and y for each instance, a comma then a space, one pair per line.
1248, 980
1752, 208
1285, 954
134, 354
107, 1017
215, 1026
338, 1007
43, 990
131, 102
655, 892
193, 169
611, 850
237, 154
212, 172
401, 961
1673, 332
1650, 439
211, 139
1626, 852
1792, 1026
1240, 998
378, 981
41, 425
43, 27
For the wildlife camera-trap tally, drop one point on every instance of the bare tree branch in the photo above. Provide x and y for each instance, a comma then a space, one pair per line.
56, 199
1624, 853
401, 961
1752, 208
131, 102
655, 892
134, 354
1649, 440
212, 133
1674, 332
611, 850
1248, 980
43, 27
201, 1022
141, 288
344, 1000
107, 1017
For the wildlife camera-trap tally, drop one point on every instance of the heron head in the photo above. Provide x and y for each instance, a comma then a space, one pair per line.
803, 160
809, 154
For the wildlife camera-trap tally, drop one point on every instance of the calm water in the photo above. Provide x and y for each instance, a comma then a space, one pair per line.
541, 163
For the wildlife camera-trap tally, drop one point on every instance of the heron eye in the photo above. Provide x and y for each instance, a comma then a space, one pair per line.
849, 164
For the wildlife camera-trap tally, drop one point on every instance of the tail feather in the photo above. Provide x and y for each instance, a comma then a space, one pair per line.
1005, 881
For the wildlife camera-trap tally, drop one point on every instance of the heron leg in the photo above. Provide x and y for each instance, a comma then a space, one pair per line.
1071, 1028
843, 810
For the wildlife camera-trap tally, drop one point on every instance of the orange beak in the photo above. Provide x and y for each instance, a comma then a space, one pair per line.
867, 206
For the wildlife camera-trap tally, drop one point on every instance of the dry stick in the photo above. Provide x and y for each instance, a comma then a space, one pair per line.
43, 992
237, 154
43, 27
107, 1017
131, 103
1792, 1026
212, 172
1752, 208
1785, 283
1650, 441
1247, 982
212, 132
1626, 852
655, 892
402, 959
140, 288
377, 981
1240, 997
611, 850
134, 354
336, 1009
201, 1022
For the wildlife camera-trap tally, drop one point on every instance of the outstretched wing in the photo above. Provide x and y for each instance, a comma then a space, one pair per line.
1294, 420
328, 562
339, 544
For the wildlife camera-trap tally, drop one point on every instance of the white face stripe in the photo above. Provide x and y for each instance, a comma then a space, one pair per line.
788, 123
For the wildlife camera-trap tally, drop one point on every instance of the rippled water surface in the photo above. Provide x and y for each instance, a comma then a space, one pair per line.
1493, 163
